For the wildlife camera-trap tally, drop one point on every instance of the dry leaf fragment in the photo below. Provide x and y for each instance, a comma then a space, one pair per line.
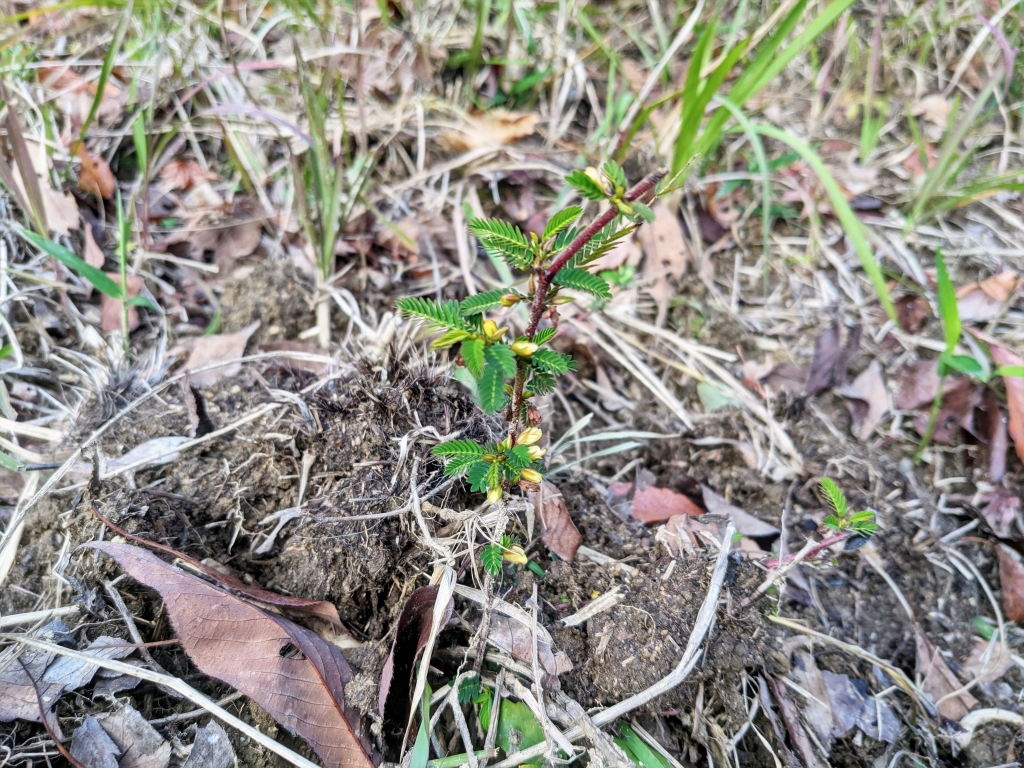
94, 175
655, 505
1014, 395
217, 348
1011, 582
666, 256
183, 174
236, 242
516, 639
982, 301
939, 681
745, 522
685, 534
989, 660
911, 311
141, 746
110, 308
869, 401
396, 679
254, 651
934, 108
92, 747
828, 367
212, 748
817, 707
494, 128
852, 707
557, 529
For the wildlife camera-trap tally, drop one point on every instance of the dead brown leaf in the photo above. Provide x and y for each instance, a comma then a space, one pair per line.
235, 242
557, 529
1000, 508
913, 163
655, 505
76, 94
831, 358
745, 523
495, 128
1014, 395
394, 699
817, 708
253, 651
939, 682
934, 108
869, 400
94, 174
988, 661
516, 639
94, 255
911, 311
982, 301
1011, 582
138, 741
183, 174
110, 308
217, 348
666, 256
685, 534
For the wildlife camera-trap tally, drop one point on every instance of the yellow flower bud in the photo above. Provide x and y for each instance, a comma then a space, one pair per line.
515, 554
529, 436
510, 299
536, 452
524, 348
494, 495
562, 300
490, 328
531, 475
595, 176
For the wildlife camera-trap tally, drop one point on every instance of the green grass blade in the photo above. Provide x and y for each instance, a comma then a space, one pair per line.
948, 310
96, 277
851, 224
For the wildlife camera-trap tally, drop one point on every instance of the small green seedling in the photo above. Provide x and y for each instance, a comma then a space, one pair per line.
841, 520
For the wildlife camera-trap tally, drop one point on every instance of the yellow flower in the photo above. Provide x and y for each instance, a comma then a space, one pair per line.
510, 299
494, 495
529, 436
536, 452
524, 348
531, 475
515, 554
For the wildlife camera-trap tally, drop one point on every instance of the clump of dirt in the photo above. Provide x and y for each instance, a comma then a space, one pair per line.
273, 292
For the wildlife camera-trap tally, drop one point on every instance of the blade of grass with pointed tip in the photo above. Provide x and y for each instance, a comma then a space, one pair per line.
96, 277
852, 226
949, 312
108, 66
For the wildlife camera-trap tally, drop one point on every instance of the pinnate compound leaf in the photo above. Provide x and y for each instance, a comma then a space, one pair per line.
543, 336
585, 185
541, 382
458, 448
502, 356
561, 221
835, 496
439, 314
519, 457
473, 356
602, 243
549, 361
614, 173
499, 238
477, 476
482, 302
582, 280
490, 558
241, 645
450, 339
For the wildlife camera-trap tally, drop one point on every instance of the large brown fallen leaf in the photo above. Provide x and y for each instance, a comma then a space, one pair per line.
494, 128
1014, 395
1011, 582
557, 529
217, 348
293, 673
666, 256
868, 400
394, 699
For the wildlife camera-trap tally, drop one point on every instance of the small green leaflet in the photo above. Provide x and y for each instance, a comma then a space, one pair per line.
582, 280
477, 476
541, 382
8, 463
602, 243
543, 336
499, 363
1010, 371
831, 522
948, 310
585, 185
614, 174
482, 302
519, 457
469, 689
564, 238
499, 238
458, 448
97, 277
835, 496
473, 356
561, 221
646, 213
450, 339
441, 315
493, 476
963, 363
549, 361
502, 356
490, 558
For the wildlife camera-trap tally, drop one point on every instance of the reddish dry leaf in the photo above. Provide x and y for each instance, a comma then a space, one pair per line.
94, 175
939, 681
828, 367
868, 400
216, 348
110, 308
1014, 395
94, 255
236, 242
978, 302
655, 505
396, 679
996, 438
916, 385
488, 129
183, 174
911, 311
557, 529
666, 256
254, 652
1011, 583
1000, 508
913, 163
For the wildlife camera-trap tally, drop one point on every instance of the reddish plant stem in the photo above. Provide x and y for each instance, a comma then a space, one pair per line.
544, 279
830, 541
